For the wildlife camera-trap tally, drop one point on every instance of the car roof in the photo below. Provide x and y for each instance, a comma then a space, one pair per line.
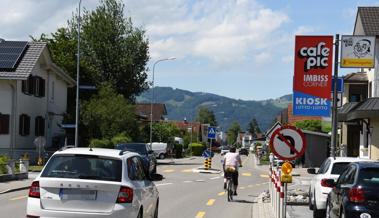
104, 152
346, 159
368, 164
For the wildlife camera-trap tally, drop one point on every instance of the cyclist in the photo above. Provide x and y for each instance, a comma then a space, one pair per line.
232, 161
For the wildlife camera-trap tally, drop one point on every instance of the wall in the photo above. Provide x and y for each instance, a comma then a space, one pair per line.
375, 140
316, 151
6, 93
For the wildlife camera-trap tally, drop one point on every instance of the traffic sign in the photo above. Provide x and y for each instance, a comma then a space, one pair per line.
207, 154
288, 143
339, 84
211, 132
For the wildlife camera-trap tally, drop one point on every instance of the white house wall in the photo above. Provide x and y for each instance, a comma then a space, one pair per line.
6, 94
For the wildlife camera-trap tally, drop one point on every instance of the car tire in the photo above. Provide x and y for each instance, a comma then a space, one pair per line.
140, 214
310, 202
155, 169
342, 215
162, 156
327, 215
156, 210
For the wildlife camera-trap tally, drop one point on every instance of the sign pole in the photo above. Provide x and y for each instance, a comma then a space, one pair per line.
334, 109
285, 201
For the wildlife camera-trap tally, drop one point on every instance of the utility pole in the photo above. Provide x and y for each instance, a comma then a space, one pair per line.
334, 108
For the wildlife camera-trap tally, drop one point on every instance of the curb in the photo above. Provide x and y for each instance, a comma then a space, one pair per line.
210, 171
14, 189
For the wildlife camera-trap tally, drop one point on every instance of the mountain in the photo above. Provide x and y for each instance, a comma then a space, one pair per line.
182, 104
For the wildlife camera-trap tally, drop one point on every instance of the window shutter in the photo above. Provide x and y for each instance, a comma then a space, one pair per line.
31, 85
23, 86
39, 126
21, 125
27, 123
41, 87
4, 124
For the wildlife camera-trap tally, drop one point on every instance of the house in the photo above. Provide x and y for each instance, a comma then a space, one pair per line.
188, 126
286, 117
360, 113
33, 97
143, 111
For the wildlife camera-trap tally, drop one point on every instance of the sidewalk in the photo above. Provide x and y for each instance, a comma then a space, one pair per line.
262, 209
17, 185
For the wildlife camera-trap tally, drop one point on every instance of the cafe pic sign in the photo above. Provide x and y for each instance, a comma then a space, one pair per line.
358, 52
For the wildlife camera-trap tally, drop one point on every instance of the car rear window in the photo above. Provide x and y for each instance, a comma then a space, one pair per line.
369, 176
138, 148
83, 167
338, 168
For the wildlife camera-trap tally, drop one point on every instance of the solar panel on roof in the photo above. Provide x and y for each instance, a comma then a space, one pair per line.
11, 53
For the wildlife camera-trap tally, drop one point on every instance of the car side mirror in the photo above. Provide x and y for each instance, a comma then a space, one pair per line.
156, 177
311, 171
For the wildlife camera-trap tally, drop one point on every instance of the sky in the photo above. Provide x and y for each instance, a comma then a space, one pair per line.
242, 49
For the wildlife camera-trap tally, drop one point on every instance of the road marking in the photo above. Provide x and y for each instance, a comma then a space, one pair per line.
200, 214
265, 176
221, 193
168, 171
19, 198
242, 187
163, 184
188, 181
211, 202
187, 171
199, 180
246, 174
250, 186
217, 177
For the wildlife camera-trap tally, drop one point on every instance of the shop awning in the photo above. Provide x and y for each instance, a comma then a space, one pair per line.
344, 110
366, 109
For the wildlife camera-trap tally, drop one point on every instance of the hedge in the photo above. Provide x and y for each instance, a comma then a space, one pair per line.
197, 149
3, 164
101, 143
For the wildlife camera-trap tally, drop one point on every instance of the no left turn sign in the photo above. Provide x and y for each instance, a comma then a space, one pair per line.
288, 143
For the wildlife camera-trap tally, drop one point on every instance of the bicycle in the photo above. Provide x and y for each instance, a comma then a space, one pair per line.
229, 188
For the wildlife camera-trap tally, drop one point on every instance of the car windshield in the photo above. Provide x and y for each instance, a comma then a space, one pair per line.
133, 147
83, 167
369, 176
339, 167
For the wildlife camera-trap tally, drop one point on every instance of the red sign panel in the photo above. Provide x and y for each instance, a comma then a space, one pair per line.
313, 65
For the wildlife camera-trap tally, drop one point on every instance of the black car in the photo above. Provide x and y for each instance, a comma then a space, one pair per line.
355, 194
144, 150
244, 151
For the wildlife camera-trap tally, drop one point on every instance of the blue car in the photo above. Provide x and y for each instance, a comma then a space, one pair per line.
144, 150
355, 194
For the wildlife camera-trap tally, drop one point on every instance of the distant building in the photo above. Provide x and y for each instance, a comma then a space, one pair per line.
143, 111
33, 97
286, 117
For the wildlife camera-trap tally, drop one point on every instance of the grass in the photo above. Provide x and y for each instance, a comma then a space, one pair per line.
35, 168
265, 162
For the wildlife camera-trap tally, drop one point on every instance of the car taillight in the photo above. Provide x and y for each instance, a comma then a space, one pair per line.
125, 195
325, 184
356, 195
34, 190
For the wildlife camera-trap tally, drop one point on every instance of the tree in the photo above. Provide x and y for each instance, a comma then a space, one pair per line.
232, 132
165, 132
205, 115
253, 128
311, 125
108, 114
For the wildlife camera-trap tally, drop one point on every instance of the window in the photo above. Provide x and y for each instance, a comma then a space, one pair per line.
324, 167
136, 169
4, 124
338, 168
24, 125
34, 85
39, 126
348, 176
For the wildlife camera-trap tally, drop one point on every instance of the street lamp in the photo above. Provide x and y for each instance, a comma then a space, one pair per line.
152, 97
77, 81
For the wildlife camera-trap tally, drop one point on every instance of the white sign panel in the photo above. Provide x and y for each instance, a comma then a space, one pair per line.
358, 51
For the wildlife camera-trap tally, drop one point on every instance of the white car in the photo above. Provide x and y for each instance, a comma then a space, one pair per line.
318, 191
84, 182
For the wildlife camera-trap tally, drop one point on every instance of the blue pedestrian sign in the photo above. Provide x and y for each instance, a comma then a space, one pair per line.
211, 132
207, 153
339, 84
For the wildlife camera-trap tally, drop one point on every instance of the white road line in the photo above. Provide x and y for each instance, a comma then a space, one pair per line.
188, 181
217, 177
163, 184
199, 180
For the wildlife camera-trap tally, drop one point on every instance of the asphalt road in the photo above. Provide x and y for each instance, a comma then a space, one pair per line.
183, 193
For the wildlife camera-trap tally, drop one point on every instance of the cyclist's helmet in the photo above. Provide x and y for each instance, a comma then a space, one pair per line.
232, 149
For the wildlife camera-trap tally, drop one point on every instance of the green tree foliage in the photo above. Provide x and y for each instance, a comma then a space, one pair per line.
205, 115
165, 132
107, 114
311, 125
253, 128
232, 132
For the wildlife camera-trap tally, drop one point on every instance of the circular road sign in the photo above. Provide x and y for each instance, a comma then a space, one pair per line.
288, 143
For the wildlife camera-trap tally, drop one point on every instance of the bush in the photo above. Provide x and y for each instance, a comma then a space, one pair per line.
3, 164
101, 143
120, 139
197, 149
178, 148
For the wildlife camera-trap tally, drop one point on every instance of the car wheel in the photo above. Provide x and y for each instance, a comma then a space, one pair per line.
156, 210
310, 202
317, 213
155, 169
161, 156
342, 215
140, 214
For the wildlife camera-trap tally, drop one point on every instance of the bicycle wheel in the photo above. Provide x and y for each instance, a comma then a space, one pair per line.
230, 189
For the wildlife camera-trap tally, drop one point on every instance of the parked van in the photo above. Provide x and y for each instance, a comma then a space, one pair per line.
160, 149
